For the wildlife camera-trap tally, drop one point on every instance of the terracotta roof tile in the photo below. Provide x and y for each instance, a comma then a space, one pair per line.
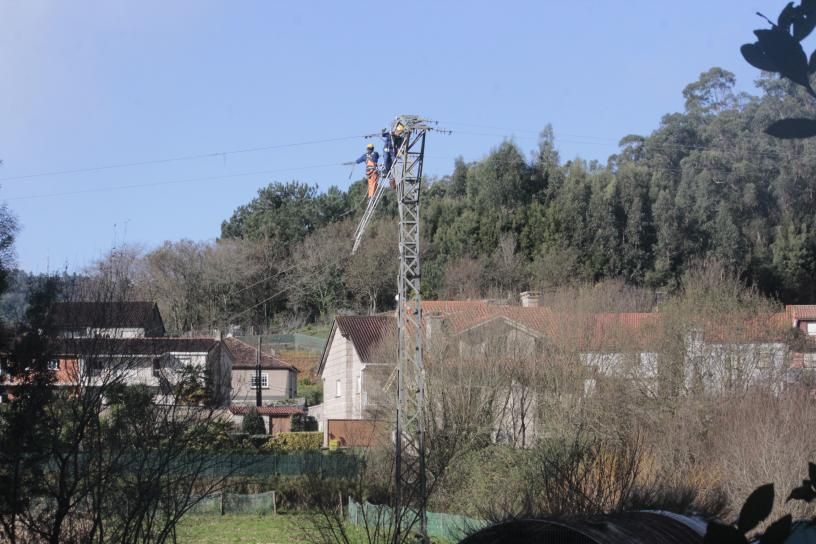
239, 409
366, 331
584, 331
801, 311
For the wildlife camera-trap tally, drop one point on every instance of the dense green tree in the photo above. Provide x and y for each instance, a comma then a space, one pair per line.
253, 423
502, 179
285, 212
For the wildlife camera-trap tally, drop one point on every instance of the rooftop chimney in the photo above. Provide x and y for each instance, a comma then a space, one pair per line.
531, 299
433, 325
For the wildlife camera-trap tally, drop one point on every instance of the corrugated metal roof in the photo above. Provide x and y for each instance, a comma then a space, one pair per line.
630, 528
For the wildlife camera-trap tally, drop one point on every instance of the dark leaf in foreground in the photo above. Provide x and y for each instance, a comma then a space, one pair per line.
802, 494
803, 26
757, 507
786, 54
792, 128
755, 56
717, 533
778, 531
787, 16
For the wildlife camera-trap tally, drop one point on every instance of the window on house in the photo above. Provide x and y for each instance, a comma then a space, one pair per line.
264, 381
156, 368
338, 389
811, 328
359, 385
53, 364
184, 361
809, 360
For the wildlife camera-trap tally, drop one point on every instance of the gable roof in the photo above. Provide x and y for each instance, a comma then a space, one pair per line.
245, 357
365, 332
587, 331
595, 332
798, 312
125, 314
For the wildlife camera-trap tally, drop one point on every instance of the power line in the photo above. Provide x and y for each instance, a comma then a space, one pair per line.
177, 159
172, 182
314, 273
289, 269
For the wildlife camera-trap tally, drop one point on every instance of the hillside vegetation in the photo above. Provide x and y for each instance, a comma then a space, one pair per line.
706, 184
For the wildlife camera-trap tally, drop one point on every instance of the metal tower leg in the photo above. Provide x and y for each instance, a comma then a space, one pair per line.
410, 479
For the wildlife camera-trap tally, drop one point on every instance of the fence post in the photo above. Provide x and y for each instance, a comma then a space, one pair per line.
274, 504
222, 502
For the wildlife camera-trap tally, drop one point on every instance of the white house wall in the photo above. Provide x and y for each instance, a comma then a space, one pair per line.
720, 367
343, 365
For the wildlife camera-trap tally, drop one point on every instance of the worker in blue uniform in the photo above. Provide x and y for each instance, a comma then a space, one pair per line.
392, 143
371, 159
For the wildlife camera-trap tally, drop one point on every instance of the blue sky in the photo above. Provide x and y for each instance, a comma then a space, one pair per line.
90, 84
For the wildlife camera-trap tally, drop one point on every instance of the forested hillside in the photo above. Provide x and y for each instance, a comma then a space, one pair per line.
707, 183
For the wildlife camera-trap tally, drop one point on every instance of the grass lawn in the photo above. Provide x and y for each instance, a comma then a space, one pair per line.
253, 529
246, 529
318, 330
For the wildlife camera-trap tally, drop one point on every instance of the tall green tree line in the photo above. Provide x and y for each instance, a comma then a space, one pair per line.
708, 183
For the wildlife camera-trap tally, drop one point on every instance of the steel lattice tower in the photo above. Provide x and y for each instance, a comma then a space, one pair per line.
410, 477
409, 437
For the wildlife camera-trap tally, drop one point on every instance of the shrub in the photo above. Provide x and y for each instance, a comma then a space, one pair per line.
289, 442
253, 423
303, 423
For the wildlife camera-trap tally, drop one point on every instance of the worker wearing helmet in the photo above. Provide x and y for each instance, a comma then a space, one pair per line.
393, 143
370, 158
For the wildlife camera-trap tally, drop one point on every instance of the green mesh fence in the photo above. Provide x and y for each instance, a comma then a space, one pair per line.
235, 503
208, 505
259, 503
291, 464
445, 526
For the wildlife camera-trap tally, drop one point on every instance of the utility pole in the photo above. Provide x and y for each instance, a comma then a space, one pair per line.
410, 484
258, 393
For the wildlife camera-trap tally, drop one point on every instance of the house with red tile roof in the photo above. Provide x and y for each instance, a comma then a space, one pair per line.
713, 356
348, 366
359, 357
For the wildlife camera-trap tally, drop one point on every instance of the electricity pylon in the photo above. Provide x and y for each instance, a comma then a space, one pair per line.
409, 437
